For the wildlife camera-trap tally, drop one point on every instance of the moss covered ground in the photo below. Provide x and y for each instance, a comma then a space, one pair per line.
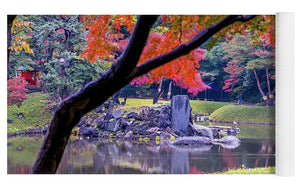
35, 111
258, 170
251, 114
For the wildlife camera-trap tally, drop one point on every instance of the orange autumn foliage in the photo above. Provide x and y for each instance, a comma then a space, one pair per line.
105, 39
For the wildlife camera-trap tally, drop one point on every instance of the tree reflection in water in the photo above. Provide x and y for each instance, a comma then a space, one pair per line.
96, 156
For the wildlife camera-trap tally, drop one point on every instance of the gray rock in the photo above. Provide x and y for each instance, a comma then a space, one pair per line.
173, 132
200, 130
108, 115
117, 113
192, 141
228, 140
132, 115
181, 112
114, 126
87, 131
128, 135
99, 109
153, 129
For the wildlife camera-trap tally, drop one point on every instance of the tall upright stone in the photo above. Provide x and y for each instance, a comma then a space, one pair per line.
181, 112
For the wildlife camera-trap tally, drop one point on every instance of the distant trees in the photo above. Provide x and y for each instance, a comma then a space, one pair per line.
245, 55
51, 39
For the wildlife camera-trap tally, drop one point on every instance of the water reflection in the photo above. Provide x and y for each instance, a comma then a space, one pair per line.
94, 156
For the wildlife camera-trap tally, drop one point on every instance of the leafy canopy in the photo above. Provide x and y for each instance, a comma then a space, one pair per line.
108, 35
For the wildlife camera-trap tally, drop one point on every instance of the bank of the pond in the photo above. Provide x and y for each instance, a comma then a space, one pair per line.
34, 110
258, 170
245, 114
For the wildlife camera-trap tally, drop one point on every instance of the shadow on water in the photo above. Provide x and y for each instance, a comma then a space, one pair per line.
95, 156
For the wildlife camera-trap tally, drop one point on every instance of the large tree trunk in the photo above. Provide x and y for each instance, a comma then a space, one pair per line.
97, 92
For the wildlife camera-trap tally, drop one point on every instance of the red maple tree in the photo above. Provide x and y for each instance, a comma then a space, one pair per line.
16, 91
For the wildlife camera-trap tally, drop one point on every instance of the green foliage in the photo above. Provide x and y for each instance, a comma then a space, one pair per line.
77, 73
257, 170
252, 114
34, 108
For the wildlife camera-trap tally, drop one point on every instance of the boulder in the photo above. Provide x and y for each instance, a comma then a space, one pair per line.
117, 113
87, 131
101, 124
173, 132
113, 126
132, 115
153, 130
229, 142
192, 141
200, 130
108, 115
181, 113
128, 135
123, 125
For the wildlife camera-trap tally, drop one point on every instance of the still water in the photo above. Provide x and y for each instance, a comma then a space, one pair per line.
96, 156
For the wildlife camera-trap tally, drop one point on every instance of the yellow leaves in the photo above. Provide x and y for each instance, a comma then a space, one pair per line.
22, 24
19, 44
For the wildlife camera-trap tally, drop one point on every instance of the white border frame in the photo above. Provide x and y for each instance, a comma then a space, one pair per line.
285, 94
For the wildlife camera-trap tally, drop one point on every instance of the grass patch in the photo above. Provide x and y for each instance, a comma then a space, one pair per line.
135, 104
206, 107
251, 114
258, 170
198, 107
35, 111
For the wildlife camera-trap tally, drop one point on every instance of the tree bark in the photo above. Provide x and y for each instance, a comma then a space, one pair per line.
169, 90
265, 98
97, 92
158, 92
271, 96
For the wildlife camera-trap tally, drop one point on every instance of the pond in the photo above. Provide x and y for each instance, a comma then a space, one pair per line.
98, 156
